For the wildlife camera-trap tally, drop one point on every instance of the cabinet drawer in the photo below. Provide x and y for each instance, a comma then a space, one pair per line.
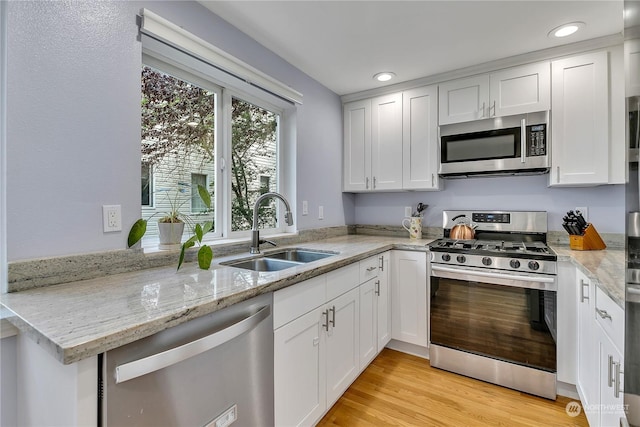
369, 268
294, 301
611, 317
342, 280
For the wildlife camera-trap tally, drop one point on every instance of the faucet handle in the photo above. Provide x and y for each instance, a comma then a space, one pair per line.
261, 241
288, 217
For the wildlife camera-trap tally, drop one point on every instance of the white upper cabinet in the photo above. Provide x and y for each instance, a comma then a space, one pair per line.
386, 142
420, 139
357, 145
580, 120
517, 90
463, 100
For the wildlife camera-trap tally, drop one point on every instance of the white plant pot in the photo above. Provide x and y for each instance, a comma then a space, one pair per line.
170, 234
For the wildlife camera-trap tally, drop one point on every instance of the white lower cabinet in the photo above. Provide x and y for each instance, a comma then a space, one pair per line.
600, 346
409, 297
326, 331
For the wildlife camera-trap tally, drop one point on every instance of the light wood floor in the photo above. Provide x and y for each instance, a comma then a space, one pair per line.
403, 390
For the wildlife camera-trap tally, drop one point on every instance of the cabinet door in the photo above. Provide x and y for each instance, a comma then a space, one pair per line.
611, 382
463, 100
368, 322
632, 64
357, 146
342, 344
519, 90
587, 381
409, 297
386, 142
567, 338
384, 302
420, 139
580, 113
300, 370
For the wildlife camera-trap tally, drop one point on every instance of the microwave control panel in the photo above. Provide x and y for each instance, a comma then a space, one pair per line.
536, 140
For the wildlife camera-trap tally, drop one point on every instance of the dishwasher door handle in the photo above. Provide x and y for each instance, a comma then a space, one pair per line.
146, 365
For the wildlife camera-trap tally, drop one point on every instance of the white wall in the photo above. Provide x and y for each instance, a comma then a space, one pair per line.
605, 203
74, 122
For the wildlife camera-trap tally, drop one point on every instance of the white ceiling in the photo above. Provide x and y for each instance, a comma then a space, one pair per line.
342, 44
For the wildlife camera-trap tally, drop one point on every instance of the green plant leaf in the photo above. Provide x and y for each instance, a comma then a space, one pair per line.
137, 231
186, 245
208, 226
205, 255
204, 195
198, 231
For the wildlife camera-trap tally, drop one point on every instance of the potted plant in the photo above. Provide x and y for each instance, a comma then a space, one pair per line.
171, 227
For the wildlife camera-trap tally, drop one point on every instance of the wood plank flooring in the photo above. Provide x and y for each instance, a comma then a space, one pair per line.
398, 389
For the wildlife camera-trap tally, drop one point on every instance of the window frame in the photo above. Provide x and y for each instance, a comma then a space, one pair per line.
285, 153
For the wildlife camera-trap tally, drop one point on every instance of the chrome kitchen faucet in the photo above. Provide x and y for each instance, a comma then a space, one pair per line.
255, 233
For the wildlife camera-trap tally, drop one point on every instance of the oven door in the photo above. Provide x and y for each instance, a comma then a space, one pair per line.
501, 315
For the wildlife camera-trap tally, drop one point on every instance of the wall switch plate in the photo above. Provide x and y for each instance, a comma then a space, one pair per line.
407, 211
320, 212
584, 210
111, 218
305, 207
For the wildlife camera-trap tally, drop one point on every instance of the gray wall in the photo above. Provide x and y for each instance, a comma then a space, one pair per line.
74, 122
605, 203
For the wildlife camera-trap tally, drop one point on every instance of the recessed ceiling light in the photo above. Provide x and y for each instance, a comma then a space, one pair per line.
566, 29
384, 76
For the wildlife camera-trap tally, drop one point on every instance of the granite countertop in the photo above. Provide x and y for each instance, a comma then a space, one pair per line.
606, 268
81, 319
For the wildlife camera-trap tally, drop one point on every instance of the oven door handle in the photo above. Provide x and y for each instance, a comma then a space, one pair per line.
537, 282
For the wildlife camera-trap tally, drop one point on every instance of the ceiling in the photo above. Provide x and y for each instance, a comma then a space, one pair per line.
342, 44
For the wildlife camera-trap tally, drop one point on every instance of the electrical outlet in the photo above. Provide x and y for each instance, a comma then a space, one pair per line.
584, 210
305, 207
320, 212
111, 218
407, 211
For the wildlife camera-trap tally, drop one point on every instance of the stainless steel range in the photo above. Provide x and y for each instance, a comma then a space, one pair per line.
493, 301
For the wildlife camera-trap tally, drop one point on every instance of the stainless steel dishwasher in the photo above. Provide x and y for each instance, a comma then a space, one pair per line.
215, 370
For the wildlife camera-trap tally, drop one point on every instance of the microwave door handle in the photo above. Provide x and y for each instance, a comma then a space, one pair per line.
523, 140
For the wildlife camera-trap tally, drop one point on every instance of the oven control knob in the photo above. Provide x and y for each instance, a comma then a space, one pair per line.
533, 265
486, 260
446, 257
461, 258
514, 263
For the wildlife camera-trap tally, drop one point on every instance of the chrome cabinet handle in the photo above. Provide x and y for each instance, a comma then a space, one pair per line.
374, 182
155, 362
371, 268
377, 290
603, 314
366, 183
483, 106
381, 259
610, 372
494, 109
325, 325
523, 140
583, 297
616, 379
333, 316
433, 180
558, 175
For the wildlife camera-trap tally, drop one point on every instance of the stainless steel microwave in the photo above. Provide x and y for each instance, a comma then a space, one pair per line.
500, 146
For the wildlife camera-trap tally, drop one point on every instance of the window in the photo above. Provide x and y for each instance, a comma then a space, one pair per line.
181, 120
197, 205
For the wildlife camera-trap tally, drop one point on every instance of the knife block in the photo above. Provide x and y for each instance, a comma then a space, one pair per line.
588, 241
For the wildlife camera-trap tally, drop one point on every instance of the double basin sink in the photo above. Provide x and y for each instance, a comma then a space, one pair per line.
279, 260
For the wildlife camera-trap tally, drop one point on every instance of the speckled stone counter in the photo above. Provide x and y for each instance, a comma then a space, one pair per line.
606, 268
80, 319
77, 320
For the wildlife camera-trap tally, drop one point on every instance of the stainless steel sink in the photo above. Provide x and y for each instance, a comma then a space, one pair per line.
279, 260
299, 255
262, 264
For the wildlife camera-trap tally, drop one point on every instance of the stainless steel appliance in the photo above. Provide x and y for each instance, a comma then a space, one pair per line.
504, 145
210, 371
493, 301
